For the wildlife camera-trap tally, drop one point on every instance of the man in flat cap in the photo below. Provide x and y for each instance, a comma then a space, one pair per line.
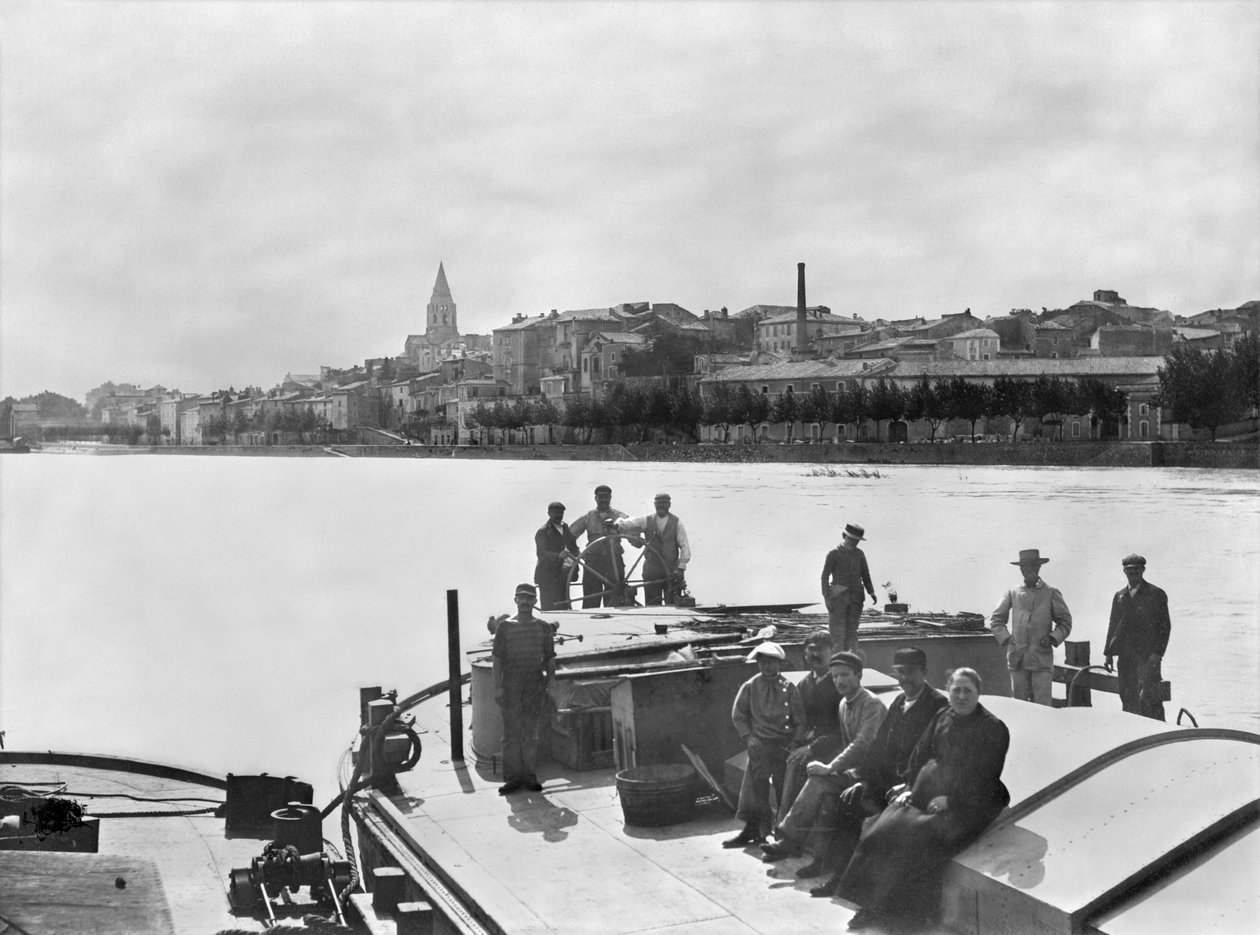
604, 574
844, 575
524, 666
557, 551
821, 700
1137, 635
771, 720
667, 555
1030, 621
883, 772
811, 821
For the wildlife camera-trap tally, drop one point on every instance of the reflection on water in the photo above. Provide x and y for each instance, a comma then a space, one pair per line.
222, 612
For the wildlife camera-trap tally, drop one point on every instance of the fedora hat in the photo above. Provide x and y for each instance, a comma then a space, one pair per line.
1029, 557
854, 530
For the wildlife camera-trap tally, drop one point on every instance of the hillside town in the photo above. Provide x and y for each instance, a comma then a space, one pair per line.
765, 374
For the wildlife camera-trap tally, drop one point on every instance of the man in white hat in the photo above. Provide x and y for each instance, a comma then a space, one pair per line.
770, 718
844, 575
1030, 622
1137, 635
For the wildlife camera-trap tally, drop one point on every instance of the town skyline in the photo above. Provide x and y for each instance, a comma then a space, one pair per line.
211, 195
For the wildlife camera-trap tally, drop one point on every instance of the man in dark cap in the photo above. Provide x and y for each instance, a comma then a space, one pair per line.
1137, 635
821, 700
844, 575
883, 772
604, 574
557, 552
1039, 620
810, 822
524, 666
668, 551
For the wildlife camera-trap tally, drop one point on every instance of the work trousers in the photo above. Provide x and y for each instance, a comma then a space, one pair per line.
662, 591
811, 821
766, 764
603, 580
795, 776
1032, 685
844, 614
1139, 687
553, 591
523, 698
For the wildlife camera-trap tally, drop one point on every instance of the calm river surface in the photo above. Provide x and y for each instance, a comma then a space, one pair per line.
221, 612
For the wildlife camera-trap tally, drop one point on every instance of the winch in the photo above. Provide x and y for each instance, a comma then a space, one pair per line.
296, 858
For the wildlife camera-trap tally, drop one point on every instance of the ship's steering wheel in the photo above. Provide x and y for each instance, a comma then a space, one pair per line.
600, 555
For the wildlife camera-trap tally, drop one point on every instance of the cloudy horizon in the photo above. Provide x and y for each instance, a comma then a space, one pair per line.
208, 194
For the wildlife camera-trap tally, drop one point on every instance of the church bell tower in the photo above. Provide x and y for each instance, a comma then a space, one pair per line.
441, 324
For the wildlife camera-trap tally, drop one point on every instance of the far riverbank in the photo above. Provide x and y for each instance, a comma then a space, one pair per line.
1043, 454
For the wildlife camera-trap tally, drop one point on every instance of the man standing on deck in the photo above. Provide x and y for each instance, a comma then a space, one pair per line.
770, 719
844, 575
1039, 620
883, 774
1137, 635
821, 700
557, 551
524, 666
810, 822
604, 577
667, 555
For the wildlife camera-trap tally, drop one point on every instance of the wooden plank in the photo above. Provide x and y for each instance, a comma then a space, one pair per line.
74, 893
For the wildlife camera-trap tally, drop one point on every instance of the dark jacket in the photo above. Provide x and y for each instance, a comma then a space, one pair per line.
901, 731
969, 753
551, 545
1139, 624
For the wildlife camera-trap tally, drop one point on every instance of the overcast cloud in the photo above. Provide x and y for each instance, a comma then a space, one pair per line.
213, 194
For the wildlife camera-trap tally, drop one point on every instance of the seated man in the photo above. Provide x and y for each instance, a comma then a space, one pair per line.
769, 717
810, 821
883, 775
821, 700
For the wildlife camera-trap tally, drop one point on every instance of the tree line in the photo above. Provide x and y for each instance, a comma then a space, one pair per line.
936, 402
1210, 390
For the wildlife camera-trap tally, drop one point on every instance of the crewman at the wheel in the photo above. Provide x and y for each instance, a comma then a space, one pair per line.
557, 551
667, 552
604, 569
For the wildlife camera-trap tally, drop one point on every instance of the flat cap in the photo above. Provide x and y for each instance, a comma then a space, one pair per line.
603, 488
555, 505
526, 590
1133, 561
818, 637
661, 496
910, 656
844, 658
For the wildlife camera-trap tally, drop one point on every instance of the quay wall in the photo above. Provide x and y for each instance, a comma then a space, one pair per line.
1238, 456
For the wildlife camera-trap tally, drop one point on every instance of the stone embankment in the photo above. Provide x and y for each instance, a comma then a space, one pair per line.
1062, 454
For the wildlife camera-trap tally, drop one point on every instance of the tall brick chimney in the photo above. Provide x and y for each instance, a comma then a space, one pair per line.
802, 338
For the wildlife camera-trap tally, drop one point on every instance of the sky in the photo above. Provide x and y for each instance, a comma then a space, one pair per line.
213, 194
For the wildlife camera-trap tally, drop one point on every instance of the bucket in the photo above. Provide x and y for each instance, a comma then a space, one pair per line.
661, 794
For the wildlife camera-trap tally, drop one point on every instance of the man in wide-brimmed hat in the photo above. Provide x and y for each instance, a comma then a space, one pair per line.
771, 720
1137, 635
1030, 622
844, 575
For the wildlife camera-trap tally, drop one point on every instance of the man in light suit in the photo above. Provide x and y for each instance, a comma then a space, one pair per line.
1030, 622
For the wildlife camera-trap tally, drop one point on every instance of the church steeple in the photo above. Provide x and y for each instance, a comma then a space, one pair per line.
441, 324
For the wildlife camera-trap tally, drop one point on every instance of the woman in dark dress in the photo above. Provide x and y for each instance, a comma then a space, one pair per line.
955, 793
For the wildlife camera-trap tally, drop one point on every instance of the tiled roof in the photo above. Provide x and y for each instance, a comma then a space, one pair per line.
1196, 334
798, 370
1058, 366
974, 333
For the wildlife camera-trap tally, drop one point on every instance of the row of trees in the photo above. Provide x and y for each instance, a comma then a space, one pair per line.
629, 412
288, 420
1050, 399
1211, 390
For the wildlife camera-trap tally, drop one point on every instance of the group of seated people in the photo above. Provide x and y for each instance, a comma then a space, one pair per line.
879, 798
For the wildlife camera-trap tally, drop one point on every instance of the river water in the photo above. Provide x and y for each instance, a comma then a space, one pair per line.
221, 612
